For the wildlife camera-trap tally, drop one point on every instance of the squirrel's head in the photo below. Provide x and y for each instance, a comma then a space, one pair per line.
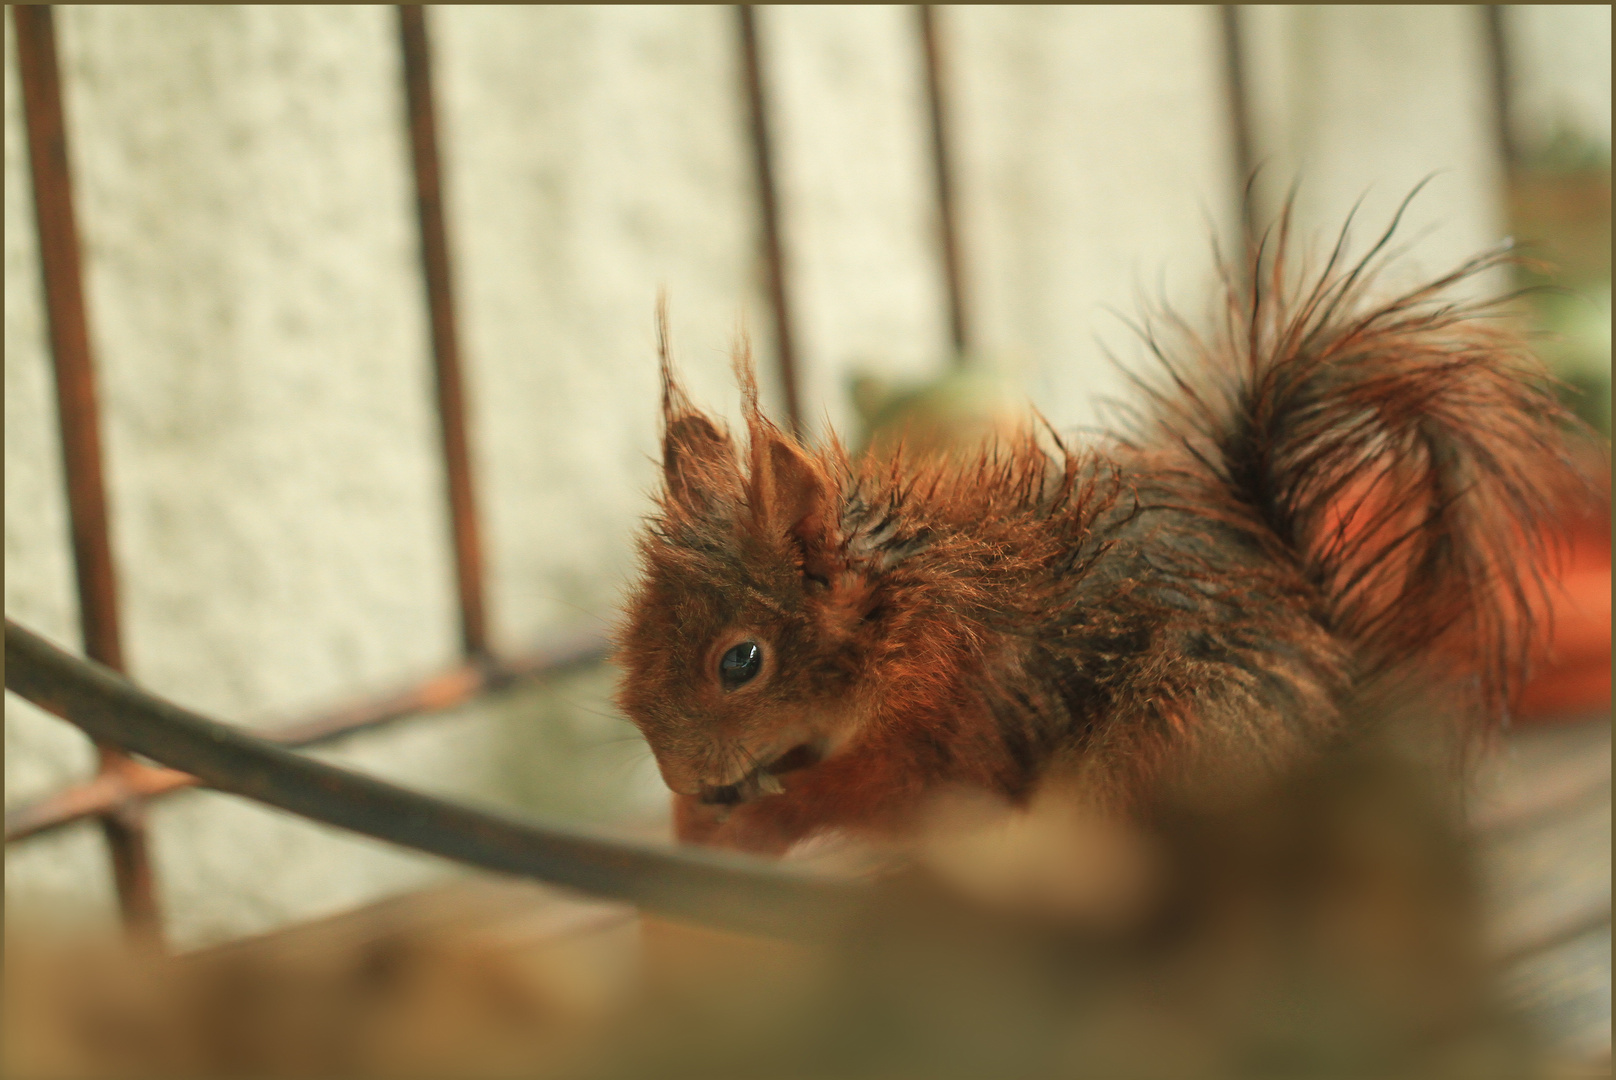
750, 636
794, 605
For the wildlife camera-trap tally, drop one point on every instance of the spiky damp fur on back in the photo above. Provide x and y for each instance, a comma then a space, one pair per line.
1326, 490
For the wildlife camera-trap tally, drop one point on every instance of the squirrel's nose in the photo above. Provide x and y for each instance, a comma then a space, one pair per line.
720, 795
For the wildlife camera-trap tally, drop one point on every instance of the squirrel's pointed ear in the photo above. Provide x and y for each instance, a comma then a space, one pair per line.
798, 498
697, 456
697, 459
790, 493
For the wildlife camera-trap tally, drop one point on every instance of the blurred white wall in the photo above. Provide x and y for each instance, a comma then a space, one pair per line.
257, 314
1095, 168
1559, 73
848, 99
1365, 103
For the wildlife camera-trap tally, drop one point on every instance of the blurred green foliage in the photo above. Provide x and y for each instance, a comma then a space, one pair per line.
1559, 210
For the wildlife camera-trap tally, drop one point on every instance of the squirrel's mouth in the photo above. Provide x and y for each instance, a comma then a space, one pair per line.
764, 779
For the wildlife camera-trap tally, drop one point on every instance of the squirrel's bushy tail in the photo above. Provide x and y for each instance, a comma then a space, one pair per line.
1410, 454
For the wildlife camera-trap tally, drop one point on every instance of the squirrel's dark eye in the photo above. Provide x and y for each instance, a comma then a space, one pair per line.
740, 665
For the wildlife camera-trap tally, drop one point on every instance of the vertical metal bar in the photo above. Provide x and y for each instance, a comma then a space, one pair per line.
768, 198
69, 333
1498, 52
79, 421
1239, 113
445, 342
943, 175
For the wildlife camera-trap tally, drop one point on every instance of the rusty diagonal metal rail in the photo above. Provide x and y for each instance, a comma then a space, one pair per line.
732, 892
458, 685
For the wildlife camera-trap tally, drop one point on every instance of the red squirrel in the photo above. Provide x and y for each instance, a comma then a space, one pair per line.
1323, 490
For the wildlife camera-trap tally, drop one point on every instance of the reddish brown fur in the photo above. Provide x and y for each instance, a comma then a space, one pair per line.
1324, 491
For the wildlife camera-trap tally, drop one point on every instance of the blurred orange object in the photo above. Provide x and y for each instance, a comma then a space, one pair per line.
1571, 675
1570, 660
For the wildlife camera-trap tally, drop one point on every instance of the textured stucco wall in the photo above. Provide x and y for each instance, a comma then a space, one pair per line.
271, 448
256, 309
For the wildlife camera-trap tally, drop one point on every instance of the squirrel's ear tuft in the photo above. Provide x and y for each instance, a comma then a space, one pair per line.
697, 456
